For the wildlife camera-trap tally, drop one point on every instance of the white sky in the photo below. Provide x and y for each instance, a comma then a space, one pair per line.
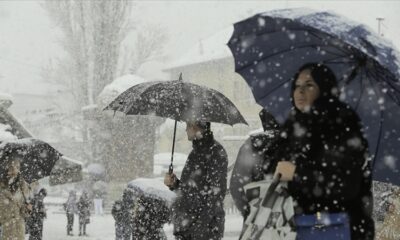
28, 39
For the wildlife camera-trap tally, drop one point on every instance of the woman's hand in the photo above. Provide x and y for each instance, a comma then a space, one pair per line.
286, 169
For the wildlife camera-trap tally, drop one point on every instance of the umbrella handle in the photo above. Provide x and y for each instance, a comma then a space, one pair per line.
170, 169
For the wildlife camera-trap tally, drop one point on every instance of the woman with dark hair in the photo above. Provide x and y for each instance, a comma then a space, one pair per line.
13, 206
324, 155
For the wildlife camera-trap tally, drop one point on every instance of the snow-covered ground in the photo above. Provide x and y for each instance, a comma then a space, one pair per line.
102, 227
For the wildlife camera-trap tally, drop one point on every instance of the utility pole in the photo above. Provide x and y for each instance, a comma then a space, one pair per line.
380, 22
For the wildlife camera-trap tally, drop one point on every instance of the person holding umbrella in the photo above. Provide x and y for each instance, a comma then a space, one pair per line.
13, 205
198, 212
324, 155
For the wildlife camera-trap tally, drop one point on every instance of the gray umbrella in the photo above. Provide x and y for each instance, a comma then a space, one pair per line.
178, 100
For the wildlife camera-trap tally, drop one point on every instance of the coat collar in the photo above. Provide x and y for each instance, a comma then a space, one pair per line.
205, 141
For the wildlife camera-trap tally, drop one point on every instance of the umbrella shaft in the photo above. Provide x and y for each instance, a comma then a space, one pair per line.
171, 167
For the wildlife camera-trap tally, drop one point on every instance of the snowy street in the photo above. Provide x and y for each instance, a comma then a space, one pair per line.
102, 227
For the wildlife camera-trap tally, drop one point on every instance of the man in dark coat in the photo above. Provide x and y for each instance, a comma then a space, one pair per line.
198, 211
83, 206
324, 155
35, 220
254, 159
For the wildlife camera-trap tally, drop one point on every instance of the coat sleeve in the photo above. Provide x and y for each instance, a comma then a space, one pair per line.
216, 179
336, 173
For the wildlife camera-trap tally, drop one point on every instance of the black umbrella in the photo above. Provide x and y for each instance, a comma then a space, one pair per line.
37, 158
178, 100
66, 170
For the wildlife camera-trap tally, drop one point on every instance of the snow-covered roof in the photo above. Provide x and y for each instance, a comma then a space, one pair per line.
209, 49
118, 86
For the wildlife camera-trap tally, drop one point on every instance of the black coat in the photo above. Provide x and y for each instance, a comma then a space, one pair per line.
333, 172
198, 211
38, 213
83, 207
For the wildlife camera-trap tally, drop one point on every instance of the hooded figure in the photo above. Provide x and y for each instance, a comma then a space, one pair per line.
38, 214
254, 160
70, 209
198, 212
324, 155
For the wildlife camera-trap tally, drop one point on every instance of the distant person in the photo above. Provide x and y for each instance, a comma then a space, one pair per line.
83, 206
38, 214
13, 205
98, 203
70, 209
198, 211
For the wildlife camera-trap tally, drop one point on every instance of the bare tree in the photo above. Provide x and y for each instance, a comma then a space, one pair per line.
93, 31
93, 35
149, 44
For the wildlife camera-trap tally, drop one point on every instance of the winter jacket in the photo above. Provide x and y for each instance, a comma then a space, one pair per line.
332, 173
35, 220
70, 206
83, 207
198, 212
13, 212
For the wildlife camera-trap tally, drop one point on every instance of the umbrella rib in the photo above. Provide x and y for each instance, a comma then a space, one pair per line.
314, 33
380, 79
381, 119
276, 87
362, 89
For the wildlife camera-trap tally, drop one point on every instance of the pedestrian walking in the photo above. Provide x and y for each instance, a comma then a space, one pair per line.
38, 214
83, 207
70, 209
98, 203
